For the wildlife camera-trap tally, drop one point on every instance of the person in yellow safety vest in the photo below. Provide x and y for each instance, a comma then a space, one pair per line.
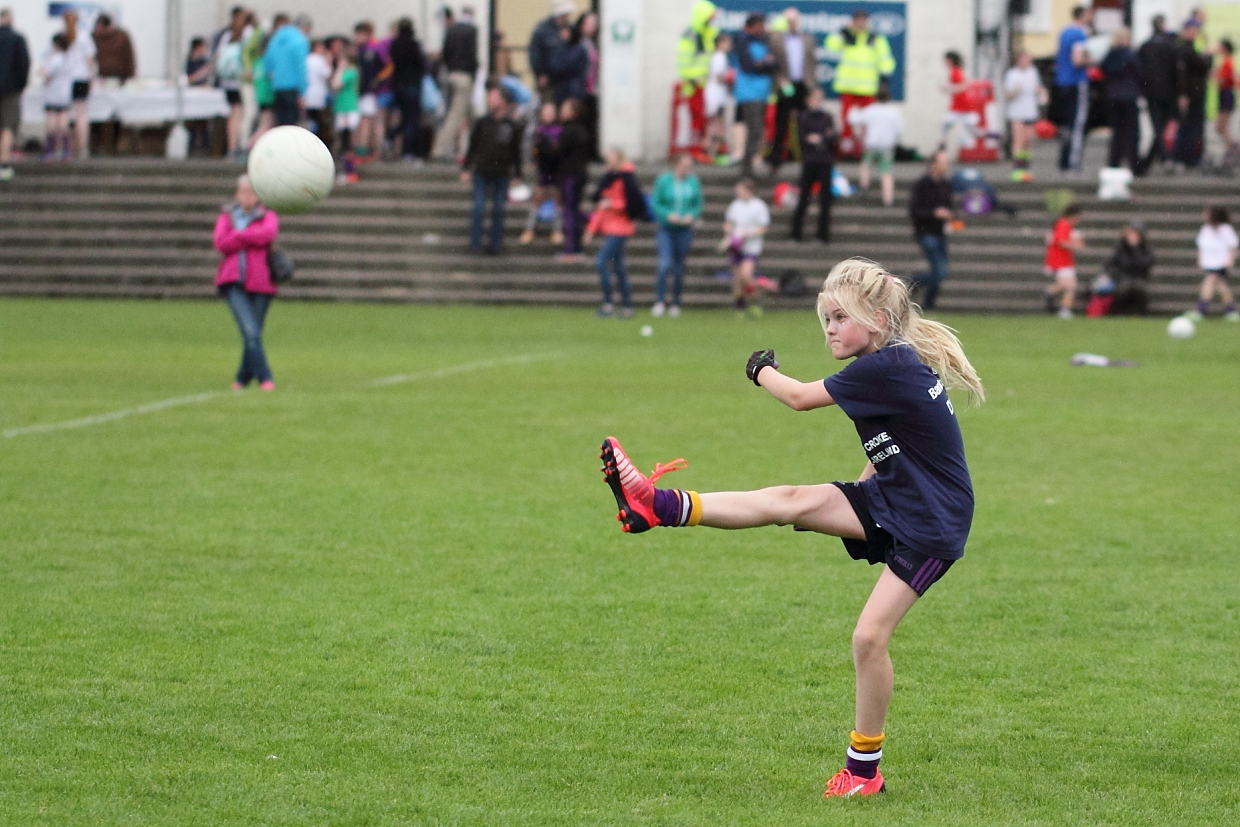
862, 60
693, 52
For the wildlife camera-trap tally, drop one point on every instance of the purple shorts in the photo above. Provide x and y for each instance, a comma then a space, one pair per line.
735, 256
919, 571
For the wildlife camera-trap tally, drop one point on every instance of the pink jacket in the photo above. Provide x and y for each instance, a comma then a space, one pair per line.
253, 242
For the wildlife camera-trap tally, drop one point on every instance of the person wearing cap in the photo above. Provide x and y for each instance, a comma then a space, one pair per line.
1193, 78
14, 72
284, 61
460, 59
548, 39
693, 53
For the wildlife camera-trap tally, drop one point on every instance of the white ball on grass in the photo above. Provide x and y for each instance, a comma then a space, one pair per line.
647, 330
291, 169
1181, 327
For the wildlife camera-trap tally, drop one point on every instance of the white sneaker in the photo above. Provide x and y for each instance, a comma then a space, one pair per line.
6, 173
1065, 313
658, 310
1231, 316
1193, 315
674, 311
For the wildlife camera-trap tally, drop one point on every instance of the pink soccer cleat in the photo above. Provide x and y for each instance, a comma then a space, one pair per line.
633, 490
846, 785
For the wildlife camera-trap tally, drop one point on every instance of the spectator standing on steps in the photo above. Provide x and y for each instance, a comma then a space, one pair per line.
879, 126
408, 66
863, 61
1123, 88
548, 40
1160, 71
14, 73
1072, 82
572, 170
796, 71
80, 62
244, 233
284, 60
753, 85
816, 131
930, 208
460, 59
493, 158
1194, 77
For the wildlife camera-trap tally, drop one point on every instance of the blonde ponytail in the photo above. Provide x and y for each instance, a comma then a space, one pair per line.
881, 303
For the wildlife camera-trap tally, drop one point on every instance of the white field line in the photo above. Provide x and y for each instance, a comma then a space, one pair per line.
465, 368
99, 419
164, 404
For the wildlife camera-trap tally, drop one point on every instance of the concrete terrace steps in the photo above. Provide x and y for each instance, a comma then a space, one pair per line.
141, 227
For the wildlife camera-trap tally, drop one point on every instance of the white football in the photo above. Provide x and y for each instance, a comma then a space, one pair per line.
1181, 327
291, 169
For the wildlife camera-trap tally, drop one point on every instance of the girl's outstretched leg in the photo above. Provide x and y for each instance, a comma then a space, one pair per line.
821, 508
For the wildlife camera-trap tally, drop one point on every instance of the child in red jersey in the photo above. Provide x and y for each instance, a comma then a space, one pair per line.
1225, 79
1060, 263
959, 112
912, 506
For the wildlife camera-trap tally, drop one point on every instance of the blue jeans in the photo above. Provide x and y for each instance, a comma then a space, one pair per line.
934, 247
498, 188
612, 252
673, 245
249, 311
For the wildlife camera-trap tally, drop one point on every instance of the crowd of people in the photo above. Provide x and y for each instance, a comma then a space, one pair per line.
1172, 72
69, 66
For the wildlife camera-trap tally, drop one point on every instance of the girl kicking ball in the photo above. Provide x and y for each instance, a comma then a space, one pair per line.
910, 509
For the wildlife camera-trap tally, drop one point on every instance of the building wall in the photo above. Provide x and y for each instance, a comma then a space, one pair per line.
644, 68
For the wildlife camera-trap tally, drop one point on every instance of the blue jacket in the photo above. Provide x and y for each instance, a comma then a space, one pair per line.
756, 65
285, 59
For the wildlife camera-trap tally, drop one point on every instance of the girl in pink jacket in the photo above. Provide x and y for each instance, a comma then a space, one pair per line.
244, 233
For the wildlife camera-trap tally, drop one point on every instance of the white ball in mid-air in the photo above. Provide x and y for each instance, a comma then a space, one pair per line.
291, 169
1181, 327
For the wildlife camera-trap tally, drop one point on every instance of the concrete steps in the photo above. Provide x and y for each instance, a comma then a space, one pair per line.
141, 227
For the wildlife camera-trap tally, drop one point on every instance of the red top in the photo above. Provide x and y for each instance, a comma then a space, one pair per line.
1226, 75
960, 100
614, 219
1057, 254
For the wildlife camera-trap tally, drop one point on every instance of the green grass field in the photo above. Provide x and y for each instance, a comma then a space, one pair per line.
407, 603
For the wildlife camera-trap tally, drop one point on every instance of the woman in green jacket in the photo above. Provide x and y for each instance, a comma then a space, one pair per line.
677, 201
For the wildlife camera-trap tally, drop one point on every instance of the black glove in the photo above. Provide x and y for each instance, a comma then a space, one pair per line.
758, 360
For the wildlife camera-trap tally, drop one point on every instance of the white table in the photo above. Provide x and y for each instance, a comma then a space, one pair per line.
136, 106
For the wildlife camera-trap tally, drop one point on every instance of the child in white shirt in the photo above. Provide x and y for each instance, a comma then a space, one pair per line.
1023, 90
744, 224
880, 125
1216, 252
718, 95
57, 98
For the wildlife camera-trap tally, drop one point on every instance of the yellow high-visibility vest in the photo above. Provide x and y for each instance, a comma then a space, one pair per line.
861, 60
695, 46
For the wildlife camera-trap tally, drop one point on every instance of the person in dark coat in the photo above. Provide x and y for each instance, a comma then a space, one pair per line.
572, 169
1129, 266
1194, 75
930, 208
548, 40
14, 73
567, 68
816, 130
1123, 89
113, 50
494, 159
408, 66
1160, 65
